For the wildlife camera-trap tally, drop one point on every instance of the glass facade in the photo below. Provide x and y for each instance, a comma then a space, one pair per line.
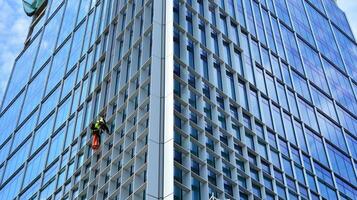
238, 99
274, 110
82, 58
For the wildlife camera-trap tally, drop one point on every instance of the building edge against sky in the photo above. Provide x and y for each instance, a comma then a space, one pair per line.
237, 100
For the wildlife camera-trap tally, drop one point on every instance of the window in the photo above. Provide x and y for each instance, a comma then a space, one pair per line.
326, 41
246, 121
289, 132
323, 174
218, 76
230, 85
259, 23
200, 3
254, 103
48, 41
346, 188
215, 43
222, 120
326, 191
283, 147
223, 26
316, 147
228, 188
190, 51
262, 150
4, 150
257, 191
266, 112
35, 165
226, 170
271, 139
308, 114
340, 86
281, 191
268, 183
48, 189
231, 8
291, 48
255, 51
300, 20
332, 132
347, 120
189, 22
348, 54
293, 103
56, 145
241, 18
341, 164
238, 66
196, 189
278, 38
236, 130
242, 95
63, 112
299, 174
313, 66
275, 158
271, 87
259, 77
254, 174
278, 125
282, 96
250, 17
220, 101
295, 154
268, 29
227, 56
300, 85
69, 83
307, 163
12, 188
266, 59
30, 192
69, 19
352, 143
286, 74
21, 134
42, 133
201, 27
16, 160
276, 67
22, 69
50, 103
323, 103
282, 11
234, 31
34, 93
195, 167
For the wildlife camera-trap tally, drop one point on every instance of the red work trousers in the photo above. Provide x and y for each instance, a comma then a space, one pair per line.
95, 141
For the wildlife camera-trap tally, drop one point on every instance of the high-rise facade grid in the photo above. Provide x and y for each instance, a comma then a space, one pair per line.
232, 99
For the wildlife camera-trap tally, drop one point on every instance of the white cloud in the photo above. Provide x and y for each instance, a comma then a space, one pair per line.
13, 31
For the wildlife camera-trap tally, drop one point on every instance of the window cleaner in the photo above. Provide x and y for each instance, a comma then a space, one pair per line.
97, 128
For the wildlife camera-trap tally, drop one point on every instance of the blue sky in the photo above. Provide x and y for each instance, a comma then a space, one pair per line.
14, 24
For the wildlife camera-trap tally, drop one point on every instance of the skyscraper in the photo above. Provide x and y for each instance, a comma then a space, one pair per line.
226, 99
